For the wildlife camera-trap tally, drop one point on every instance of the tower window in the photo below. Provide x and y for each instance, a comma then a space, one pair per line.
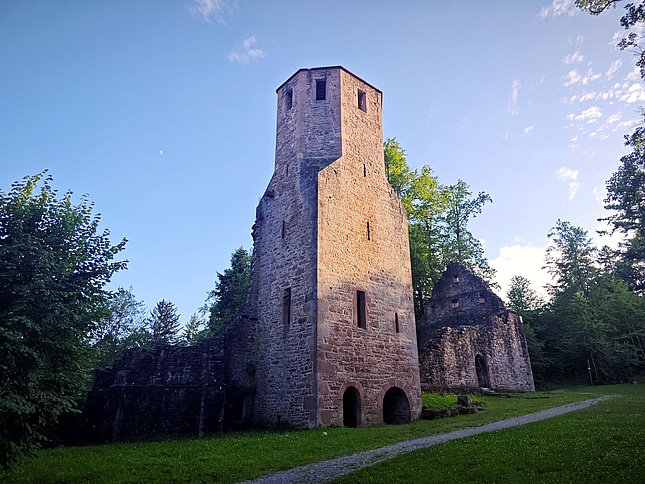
286, 306
455, 279
361, 313
288, 99
321, 89
369, 232
362, 101
455, 303
396, 323
284, 229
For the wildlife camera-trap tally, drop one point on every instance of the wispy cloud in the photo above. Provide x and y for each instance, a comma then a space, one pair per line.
589, 116
557, 8
573, 77
565, 174
246, 51
209, 10
613, 68
513, 100
575, 57
528, 129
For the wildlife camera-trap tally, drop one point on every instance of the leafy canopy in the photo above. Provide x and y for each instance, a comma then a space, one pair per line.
54, 264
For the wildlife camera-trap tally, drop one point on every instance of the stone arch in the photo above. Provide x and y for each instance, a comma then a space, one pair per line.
351, 407
482, 371
396, 406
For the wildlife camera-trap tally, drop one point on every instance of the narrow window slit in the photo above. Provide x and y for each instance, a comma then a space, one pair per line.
361, 313
286, 306
288, 98
321, 89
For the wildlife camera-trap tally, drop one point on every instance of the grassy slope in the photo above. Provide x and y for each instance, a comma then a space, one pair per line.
236, 457
603, 443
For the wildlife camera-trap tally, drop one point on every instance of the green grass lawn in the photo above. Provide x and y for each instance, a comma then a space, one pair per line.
603, 443
241, 456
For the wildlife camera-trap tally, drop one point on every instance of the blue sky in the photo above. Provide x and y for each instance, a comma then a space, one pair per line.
164, 113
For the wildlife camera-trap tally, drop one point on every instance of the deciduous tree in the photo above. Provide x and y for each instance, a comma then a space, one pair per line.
121, 326
54, 264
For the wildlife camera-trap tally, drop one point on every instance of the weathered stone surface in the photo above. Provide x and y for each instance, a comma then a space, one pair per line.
327, 334
468, 340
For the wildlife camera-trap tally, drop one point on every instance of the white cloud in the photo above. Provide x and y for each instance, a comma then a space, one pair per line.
513, 100
634, 93
209, 10
573, 77
613, 68
528, 129
588, 96
614, 118
590, 115
575, 57
565, 174
245, 51
521, 260
557, 8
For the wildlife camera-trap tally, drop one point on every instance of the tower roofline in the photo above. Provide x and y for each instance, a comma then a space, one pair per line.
327, 68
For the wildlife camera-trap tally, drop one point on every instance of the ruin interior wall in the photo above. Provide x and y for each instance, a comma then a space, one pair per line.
466, 322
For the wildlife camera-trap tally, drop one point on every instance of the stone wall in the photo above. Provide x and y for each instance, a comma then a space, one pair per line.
468, 340
168, 390
328, 226
363, 246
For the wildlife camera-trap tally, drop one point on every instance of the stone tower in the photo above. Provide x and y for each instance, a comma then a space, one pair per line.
330, 308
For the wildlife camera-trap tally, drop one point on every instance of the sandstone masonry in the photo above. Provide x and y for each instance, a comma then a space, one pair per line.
469, 340
327, 335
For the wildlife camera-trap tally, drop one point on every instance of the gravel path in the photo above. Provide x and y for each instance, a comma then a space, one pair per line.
328, 470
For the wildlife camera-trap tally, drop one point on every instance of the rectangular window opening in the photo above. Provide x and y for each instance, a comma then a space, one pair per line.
286, 306
369, 232
288, 98
321, 89
455, 303
397, 328
362, 101
361, 314
284, 229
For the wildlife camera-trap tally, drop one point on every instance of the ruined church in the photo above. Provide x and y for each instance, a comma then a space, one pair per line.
327, 335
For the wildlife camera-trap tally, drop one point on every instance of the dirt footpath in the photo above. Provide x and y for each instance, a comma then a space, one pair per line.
328, 470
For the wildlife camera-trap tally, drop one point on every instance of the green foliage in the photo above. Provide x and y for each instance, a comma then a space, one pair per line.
593, 326
227, 299
235, 457
438, 216
193, 331
632, 19
437, 400
459, 245
521, 297
54, 263
570, 258
121, 326
163, 324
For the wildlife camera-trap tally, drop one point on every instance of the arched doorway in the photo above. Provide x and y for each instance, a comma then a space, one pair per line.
396, 408
351, 408
482, 373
